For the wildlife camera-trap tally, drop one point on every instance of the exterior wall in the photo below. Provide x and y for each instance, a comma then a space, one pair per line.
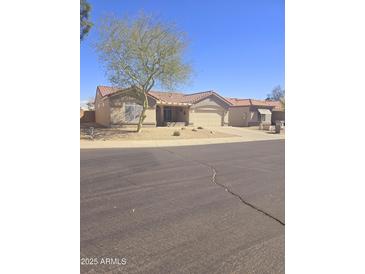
225, 117
208, 112
150, 117
182, 115
150, 113
277, 115
102, 110
247, 116
238, 116
120, 117
254, 116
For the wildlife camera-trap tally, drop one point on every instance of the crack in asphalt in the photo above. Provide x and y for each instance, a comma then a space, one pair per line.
241, 199
227, 189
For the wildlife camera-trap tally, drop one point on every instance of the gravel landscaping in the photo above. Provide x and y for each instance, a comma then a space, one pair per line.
159, 133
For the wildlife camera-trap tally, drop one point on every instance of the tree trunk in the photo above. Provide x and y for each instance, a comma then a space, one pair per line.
142, 117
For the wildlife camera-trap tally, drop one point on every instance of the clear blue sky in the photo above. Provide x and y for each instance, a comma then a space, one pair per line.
236, 46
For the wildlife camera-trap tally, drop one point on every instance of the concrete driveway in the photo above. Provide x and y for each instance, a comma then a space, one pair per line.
200, 209
250, 133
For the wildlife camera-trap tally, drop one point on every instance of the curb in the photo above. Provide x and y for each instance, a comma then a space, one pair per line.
169, 143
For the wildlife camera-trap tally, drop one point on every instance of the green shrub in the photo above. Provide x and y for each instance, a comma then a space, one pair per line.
200, 127
176, 133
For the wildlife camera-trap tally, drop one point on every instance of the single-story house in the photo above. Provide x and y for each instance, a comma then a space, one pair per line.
251, 112
118, 107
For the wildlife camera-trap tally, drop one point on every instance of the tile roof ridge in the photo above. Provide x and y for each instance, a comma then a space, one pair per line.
103, 86
160, 91
238, 99
200, 92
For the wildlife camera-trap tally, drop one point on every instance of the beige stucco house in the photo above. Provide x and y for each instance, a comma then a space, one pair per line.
118, 107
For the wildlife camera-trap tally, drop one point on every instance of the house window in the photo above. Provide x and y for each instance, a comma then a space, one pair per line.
263, 117
131, 112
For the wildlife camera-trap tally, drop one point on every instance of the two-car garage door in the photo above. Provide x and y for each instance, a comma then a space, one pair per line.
208, 112
212, 118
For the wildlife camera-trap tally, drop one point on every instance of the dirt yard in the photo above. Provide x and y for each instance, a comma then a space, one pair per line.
159, 133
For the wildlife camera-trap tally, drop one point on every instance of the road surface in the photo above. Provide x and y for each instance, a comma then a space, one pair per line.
199, 209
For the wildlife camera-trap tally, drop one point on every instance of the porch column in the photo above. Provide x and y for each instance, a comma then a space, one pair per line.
161, 116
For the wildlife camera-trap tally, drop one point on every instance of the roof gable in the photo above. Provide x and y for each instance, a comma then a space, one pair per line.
104, 90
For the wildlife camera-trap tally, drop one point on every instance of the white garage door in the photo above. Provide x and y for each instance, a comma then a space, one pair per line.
212, 119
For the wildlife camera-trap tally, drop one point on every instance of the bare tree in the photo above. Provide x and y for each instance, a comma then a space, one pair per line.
91, 104
142, 53
277, 94
282, 102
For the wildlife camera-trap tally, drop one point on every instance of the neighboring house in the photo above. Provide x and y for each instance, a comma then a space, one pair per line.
278, 114
118, 107
250, 112
87, 116
87, 113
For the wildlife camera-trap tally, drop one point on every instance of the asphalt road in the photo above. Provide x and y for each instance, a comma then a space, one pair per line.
199, 209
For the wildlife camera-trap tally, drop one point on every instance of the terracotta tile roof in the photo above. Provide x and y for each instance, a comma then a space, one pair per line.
104, 90
276, 104
265, 103
167, 97
236, 102
176, 97
182, 98
194, 97
239, 102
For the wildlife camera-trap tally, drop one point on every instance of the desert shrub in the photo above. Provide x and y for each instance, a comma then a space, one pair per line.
193, 129
176, 133
200, 127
